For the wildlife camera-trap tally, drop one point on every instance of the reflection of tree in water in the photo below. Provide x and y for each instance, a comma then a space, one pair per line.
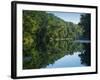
85, 55
53, 51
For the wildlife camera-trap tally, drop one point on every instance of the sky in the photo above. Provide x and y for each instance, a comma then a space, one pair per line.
68, 16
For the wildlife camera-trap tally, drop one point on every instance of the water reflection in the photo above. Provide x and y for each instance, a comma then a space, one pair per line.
45, 54
85, 55
67, 61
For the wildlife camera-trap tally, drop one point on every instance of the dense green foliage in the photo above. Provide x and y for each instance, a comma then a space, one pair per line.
42, 27
85, 23
47, 38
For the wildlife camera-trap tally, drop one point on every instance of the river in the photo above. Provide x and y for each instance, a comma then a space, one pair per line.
77, 59
59, 54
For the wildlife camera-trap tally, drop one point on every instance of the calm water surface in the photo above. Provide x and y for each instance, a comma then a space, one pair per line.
59, 54
67, 61
77, 59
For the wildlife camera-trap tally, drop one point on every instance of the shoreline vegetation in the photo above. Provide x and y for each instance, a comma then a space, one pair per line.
47, 38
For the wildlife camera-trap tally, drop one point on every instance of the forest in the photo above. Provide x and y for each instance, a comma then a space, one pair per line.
47, 37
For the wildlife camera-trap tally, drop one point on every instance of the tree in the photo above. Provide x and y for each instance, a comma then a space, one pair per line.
85, 22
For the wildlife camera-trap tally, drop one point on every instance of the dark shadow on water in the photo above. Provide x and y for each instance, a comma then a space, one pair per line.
85, 55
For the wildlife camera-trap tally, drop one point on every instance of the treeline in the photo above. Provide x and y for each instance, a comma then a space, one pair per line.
41, 26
